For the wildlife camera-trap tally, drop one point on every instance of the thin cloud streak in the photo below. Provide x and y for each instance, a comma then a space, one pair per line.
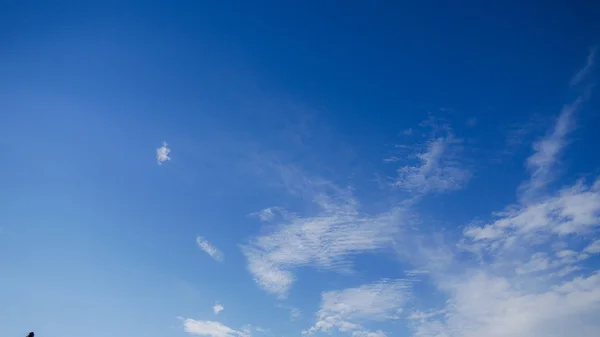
524, 276
209, 249
587, 68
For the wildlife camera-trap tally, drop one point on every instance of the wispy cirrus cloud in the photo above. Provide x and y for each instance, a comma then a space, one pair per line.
547, 150
209, 249
163, 153
349, 309
587, 68
438, 166
574, 210
526, 277
542, 164
326, 239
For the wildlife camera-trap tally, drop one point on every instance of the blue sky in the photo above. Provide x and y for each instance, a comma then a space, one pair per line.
237, 169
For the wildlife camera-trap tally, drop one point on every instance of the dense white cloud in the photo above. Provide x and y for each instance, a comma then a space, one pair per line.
162, 153
209, 249
347, 310
325, 240
211, 329
217, 308
481, 304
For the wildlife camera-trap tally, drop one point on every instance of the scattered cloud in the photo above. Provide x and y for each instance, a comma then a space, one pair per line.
574, 210
518, 274
162, 153
211, 329
593, 248
347, 310
295, 313
525, 277
324, 240
437, 169
209, 249
270, 214
407, 132
217, 308
482, 304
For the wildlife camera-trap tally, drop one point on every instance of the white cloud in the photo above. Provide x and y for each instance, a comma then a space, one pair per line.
270, 214
325, 240
574, 210
347, 310
162, 153
593, 248
438, 167
217, 308
248, 329
486, 305
209, 249
211, 329
542, 163
525, 278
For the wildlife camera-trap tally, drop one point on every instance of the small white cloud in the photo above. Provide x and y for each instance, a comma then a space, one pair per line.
270, 214
209, 249
162, 153
217, 308
407, 132
211, 329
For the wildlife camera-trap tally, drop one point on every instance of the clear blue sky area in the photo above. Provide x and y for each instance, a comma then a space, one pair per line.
299, 168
